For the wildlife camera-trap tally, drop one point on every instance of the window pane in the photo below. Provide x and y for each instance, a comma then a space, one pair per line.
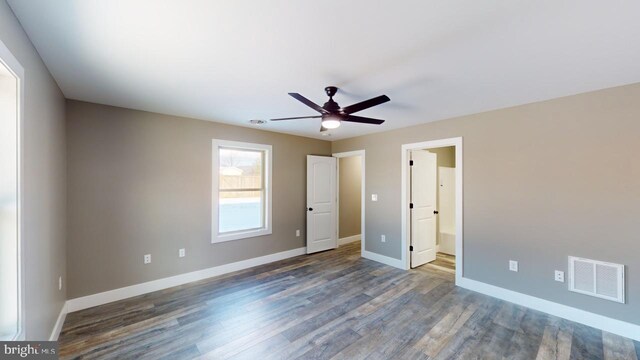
8, 208
240, 169
240, 210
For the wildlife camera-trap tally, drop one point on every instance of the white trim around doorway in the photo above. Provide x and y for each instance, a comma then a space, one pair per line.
360, 153
457, 143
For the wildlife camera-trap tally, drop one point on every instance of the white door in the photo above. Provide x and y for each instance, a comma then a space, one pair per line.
423, 214
321, 203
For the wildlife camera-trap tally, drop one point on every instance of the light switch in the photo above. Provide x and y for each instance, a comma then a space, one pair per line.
513, 265
374, 197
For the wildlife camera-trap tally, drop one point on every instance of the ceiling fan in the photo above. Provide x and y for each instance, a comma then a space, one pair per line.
332, 114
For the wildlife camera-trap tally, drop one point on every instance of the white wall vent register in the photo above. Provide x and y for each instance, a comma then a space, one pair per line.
596, 278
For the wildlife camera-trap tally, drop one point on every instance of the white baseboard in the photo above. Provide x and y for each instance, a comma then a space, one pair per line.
601, 322
349, 239
57, 328
160, 284
383, 259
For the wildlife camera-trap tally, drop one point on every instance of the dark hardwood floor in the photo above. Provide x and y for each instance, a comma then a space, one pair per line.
332, 305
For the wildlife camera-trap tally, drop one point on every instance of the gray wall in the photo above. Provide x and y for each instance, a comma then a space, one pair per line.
541, 182
44, 182
140, 183
350, 186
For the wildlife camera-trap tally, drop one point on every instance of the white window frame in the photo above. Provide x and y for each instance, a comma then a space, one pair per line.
216, 237
11, 63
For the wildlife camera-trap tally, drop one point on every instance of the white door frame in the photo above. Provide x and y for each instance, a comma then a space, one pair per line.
360, 153
406, 225
14, 66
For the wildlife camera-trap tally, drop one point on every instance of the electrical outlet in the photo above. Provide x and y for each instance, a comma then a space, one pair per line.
59, 282
181, 253
513, 265
374, 197
383, 238
297, 233
147, 259
559, 276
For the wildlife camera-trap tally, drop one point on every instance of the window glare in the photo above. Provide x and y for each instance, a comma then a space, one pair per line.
241, 190
240, 211
8, 208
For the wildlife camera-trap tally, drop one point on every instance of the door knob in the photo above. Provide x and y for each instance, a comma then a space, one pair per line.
310, 209
435, 212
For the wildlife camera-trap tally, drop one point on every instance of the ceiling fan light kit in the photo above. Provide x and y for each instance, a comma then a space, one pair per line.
333, 115
330, 121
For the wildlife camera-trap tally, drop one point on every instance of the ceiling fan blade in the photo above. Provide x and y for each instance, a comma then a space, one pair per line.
298, 117
309, 103
366, 104
363, 120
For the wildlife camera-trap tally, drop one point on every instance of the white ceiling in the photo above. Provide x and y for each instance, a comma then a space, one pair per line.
232, 61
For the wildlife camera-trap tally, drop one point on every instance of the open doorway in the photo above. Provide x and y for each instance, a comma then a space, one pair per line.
441, 180
350, 197
432, 205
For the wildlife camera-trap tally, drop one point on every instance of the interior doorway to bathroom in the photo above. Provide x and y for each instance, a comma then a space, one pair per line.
432, 188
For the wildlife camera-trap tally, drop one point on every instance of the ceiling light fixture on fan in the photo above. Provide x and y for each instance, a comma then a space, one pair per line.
330, 122
333, 115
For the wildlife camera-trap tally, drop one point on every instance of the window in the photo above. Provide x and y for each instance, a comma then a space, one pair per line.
241, 190
10, 281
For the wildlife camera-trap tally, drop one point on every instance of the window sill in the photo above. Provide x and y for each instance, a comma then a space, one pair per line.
240, 235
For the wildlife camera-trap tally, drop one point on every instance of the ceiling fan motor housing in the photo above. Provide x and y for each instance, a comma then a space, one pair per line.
331, 106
